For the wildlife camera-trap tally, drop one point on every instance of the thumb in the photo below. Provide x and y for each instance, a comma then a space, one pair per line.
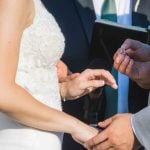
131, 44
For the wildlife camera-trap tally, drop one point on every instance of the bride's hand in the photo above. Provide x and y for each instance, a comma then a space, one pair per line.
87, 81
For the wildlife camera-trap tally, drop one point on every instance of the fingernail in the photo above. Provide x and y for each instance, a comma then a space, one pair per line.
115, 86
100, 123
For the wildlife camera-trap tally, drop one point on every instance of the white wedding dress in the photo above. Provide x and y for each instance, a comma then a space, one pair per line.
41, 47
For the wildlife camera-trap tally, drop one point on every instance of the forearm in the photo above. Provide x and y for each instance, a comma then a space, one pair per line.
20, 105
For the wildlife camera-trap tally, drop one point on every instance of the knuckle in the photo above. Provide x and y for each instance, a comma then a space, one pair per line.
107, 71
110, 133
94, 141
128, 40
88, 70
117, 115
114, 140
100, 147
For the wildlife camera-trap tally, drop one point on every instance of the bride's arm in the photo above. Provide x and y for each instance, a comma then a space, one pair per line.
16, 102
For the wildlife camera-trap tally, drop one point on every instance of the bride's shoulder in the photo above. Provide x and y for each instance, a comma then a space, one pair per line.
17, 10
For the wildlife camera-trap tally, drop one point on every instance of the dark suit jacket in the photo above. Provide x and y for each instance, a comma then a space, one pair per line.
138, 97
76, 18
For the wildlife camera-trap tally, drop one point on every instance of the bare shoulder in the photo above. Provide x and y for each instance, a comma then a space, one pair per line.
19, 11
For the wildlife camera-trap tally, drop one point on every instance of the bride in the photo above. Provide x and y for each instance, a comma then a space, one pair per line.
31, 44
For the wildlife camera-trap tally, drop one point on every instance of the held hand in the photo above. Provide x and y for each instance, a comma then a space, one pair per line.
87, 81
118, 134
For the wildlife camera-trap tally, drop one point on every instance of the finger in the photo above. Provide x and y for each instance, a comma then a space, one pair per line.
129, 68
109, 79
103, 146
106, 123
119, 59
130, 43
130, 52
124, 64
101, 137
92, 75
133, 71
117, 53
93, 84
102, 75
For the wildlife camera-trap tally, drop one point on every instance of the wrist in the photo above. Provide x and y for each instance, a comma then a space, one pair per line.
65, 92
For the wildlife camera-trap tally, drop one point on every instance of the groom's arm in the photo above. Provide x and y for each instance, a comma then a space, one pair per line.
141, 126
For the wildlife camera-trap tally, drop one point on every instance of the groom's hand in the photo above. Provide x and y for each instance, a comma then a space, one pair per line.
118, 134
129, 60
136, 50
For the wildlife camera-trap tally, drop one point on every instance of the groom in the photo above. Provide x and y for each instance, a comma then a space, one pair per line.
76, 19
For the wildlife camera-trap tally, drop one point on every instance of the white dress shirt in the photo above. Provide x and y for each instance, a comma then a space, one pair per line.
124, 16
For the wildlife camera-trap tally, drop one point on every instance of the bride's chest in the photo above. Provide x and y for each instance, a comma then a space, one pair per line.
42, 43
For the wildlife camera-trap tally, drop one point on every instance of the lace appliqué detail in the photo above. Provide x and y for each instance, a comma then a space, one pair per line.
42, 46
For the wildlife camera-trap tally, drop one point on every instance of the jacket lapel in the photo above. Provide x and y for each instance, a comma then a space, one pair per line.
139, 18
85, 10
140, 15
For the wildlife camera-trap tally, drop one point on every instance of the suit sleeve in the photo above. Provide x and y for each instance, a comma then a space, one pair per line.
141, 126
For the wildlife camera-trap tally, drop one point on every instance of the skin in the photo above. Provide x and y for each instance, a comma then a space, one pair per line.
62, 71
132, 59
79, 84
136, 50
16, 101
86, 82
117, 135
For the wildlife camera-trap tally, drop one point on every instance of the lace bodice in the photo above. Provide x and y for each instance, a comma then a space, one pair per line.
41, 47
